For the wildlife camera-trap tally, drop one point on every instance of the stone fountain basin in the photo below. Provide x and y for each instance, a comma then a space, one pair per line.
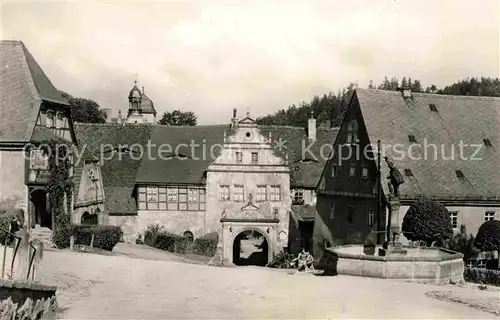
427, 265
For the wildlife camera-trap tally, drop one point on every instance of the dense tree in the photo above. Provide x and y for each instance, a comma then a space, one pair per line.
329, 107
488, 236
474, 87
84, 110
179, 118
427, 220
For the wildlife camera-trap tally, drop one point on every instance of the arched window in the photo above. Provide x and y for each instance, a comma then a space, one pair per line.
188, 235
88, 218
352, 132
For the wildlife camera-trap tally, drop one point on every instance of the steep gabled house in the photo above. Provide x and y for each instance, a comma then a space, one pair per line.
32, 111
177, 177
446, 147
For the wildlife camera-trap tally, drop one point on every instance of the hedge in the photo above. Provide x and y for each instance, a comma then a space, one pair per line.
166, 241
482, 276
105, 237
206, 245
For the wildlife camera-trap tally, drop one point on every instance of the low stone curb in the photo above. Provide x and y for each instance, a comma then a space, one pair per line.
450, 297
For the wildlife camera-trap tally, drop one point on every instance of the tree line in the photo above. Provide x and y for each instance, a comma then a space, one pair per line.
328, 107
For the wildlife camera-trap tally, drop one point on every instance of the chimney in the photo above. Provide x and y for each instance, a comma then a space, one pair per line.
234, 119
406, 91
119, 118
311, 128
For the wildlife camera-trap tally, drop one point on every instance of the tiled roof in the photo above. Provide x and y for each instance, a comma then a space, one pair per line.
459, 119
119, 169
24, 86
126, 172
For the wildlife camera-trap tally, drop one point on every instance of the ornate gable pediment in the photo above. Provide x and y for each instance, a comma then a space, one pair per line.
249, 212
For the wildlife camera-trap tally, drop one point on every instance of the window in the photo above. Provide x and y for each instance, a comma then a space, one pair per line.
171, 198
334, 171
352, 132
38, 160
487, 143
261, 194
298, 196
172, 195
192, 195
239, 195
275, 193
59, 120
454, 219
412, 139
371, 218
50, 119
152, 193
433, 107
255, 157
350, 215
352, 171
489, 215
188, 235
364, 173
332, 211
460, 174
239, 157
481, 263
224, 193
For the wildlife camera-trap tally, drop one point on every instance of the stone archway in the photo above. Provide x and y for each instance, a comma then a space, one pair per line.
251, 246
40, 209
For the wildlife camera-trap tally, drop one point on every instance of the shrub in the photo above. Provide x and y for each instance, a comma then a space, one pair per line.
463, 243
206, 245
170, 242
482, 276
428, 221
488, 236
105, 237
281, 261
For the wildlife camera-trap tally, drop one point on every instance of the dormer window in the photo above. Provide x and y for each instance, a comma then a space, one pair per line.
433, 107
460, 174
487, 143
412, 139
352, 132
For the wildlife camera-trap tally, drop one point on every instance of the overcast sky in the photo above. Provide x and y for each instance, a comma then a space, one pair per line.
212, 56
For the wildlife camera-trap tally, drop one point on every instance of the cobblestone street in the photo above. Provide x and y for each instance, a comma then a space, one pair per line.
117, 287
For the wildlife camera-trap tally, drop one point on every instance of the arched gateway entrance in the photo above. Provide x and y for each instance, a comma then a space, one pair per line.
251, 247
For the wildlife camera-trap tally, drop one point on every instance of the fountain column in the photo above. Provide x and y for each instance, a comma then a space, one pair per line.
394, 226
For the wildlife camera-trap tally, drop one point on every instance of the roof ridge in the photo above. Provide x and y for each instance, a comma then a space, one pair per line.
434, 95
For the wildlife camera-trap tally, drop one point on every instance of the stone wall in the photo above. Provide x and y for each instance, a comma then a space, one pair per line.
26, 300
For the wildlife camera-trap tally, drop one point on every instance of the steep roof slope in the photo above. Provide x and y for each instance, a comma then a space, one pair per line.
23, 87
458, 120
110, 144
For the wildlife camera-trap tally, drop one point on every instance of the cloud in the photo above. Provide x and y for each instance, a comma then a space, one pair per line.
210, 57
